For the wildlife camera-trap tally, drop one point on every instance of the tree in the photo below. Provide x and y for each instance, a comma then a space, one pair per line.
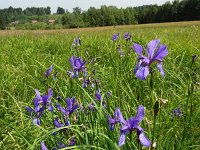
60, 10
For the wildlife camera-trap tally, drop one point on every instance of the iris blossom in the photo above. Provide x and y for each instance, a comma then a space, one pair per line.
133, 124
48, 71
41, 102
143, 67
115, 37
77, 42
127, 36
77, 65
127, 126
71, 107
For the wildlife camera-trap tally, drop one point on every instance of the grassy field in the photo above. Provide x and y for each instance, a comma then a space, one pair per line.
26, 55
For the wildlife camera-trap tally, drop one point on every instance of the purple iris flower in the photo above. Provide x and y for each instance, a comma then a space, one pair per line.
115, 37
71, 107
117, 117
177, 112
143, 67
77, 64
48, 71
99, 98
77, 42
133, 124
43, 146
41, 102
127, 36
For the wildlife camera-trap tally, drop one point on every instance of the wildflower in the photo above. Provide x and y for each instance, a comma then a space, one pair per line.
77, 64
71, 106
143, 67
48, 71
43, 101
115, 37
116, 119
133, 124
77, 42
177, 112
127, 36
43, 146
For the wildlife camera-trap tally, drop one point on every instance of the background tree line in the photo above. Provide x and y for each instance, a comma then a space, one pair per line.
185, 10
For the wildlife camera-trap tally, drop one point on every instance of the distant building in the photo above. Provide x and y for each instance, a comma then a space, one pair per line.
34, 21
51, 21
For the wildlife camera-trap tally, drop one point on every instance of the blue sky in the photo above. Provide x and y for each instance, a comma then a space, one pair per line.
70, 4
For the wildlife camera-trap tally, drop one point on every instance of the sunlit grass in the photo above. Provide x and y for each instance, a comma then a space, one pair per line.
25, 56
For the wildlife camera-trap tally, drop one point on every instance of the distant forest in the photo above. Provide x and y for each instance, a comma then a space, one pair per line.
42, 18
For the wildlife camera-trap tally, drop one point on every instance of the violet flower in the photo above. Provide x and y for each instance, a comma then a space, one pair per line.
77, 42
115, 37
177, 112
48, 71
127, 36
133, 124
77, 64
143, 67
41, 102
71, 107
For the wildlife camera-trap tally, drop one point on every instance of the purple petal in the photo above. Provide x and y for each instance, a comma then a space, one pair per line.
122, 139
118, 116
29, 109
60, 108
38, 95
160, 68
50, 108
72, 141
161, 53
36, 121
140, 113
98, 96
144, 140
43, 146
138, 48
49, 70
151, 47
142, 72
57, 124
50, 93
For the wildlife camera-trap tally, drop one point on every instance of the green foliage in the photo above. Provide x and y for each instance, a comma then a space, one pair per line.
25, 56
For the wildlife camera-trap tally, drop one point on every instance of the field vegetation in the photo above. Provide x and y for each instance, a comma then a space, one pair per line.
171, 103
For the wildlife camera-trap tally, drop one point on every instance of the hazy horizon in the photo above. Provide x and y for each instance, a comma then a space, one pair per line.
84, 5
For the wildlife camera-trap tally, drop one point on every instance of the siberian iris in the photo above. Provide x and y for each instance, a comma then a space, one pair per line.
143, 67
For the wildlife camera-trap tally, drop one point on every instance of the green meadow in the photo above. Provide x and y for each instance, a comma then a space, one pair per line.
26, 55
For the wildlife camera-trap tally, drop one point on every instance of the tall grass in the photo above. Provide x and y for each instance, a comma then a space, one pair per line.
25, 57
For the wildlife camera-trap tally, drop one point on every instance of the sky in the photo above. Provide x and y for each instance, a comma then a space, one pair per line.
70, 4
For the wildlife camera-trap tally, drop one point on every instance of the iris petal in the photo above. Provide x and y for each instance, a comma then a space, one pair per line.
138, 48
151, 47
144, 140
160, 68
